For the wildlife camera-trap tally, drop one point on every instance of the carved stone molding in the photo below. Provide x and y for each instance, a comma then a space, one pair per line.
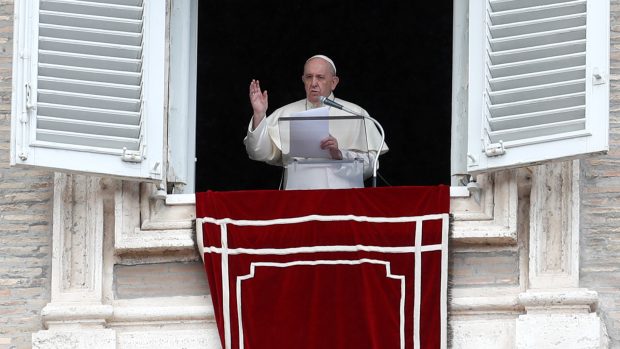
559, 314
145, 224
489, 215
77, 238
554, 226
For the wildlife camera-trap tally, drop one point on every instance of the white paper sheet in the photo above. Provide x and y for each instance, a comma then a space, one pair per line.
306, 135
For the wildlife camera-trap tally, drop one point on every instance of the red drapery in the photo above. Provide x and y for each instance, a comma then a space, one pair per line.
354, 268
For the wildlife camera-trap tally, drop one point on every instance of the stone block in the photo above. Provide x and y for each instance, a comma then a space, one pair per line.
101, 339
550, 331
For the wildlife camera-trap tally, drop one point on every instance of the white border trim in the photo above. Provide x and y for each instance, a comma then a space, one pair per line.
443, 305
200, 241
320, 218
316, 249
324, 262
417, 249
417, 286
225, 285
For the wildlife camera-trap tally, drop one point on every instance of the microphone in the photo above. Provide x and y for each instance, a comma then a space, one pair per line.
335, 104
331, 103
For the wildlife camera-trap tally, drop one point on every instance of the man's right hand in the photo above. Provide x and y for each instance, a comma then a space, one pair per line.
259, 101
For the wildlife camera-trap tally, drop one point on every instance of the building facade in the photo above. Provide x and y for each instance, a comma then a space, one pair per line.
91, 260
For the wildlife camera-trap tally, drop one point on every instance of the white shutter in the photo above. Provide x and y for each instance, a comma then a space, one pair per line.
88, 91
538, 81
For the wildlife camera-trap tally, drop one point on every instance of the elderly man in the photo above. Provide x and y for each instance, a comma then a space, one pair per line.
263, 137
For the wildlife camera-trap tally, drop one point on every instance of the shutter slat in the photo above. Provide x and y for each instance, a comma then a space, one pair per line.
89, 114
537, 131
507, 5
538, 12
90, 48
88, 127
92, 8
537, 105
90, 35
538, 65
531, 119
90, 21
538, 78
537, 92
98, 141
537, 26
537, 52
119, 2
88, 101
90, 87
90, 61
88, 74
538, 39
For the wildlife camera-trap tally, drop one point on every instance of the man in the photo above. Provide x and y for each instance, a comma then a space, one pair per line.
263, 138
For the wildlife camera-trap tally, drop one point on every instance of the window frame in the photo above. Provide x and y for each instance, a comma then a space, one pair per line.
25, 150
591, 141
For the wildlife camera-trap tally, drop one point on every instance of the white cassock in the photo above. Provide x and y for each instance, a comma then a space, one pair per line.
356, 140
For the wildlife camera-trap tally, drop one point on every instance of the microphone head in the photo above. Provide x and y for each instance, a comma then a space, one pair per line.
322, 99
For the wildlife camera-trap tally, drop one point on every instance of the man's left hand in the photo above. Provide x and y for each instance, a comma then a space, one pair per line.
331, 144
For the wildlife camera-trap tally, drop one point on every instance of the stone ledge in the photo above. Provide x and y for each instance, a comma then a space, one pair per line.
65, 313
82, 338
176, 309
139, 311
558, 299
484, 305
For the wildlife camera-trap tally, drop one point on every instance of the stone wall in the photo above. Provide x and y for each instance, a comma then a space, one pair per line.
155, 280
600, 206
25, 221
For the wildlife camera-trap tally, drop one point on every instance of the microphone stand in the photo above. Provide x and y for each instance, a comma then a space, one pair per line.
334, 104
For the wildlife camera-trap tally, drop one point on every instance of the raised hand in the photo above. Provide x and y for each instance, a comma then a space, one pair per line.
259, 101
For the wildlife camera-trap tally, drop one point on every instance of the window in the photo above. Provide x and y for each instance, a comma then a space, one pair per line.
393, 59
92, 86
538, 81
88, 86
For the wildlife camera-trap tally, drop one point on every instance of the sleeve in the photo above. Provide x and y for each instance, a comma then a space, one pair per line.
367, 157
259, 146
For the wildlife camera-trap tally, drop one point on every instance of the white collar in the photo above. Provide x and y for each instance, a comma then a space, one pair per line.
312, 106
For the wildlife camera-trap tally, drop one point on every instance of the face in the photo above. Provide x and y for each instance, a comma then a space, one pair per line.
319, 79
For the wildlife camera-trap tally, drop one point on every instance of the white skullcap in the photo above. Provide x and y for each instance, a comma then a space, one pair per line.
324, 58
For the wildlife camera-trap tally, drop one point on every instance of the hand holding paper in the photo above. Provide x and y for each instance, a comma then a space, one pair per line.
308, 131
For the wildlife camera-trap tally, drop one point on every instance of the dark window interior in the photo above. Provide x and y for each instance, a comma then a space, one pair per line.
393, 59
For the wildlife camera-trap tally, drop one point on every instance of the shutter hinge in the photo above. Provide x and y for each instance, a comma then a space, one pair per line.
597, 77
156, 170
133, 155
29, 104
25, 119
495, 149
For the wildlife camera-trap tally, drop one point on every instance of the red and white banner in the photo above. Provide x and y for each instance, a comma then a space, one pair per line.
354, 268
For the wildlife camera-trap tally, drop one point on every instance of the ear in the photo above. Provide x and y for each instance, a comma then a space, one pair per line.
335, 81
